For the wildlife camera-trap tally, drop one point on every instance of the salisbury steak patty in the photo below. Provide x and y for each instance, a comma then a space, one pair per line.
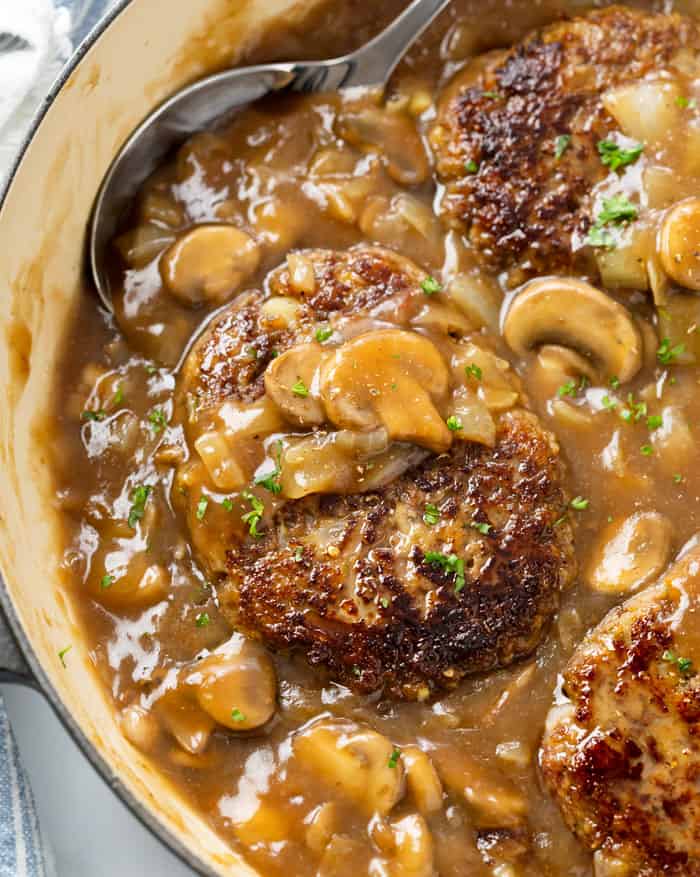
512, 184
621, 752
452, 564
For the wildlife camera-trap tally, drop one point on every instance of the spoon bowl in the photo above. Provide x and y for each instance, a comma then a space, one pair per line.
212, 100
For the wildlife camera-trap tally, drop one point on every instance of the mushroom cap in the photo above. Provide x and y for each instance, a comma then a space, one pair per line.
571, 313
679, 243
390, 378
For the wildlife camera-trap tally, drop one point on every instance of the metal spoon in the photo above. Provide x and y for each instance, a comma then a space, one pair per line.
205, 102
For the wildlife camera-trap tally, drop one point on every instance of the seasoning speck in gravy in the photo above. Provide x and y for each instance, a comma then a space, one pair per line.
373, 487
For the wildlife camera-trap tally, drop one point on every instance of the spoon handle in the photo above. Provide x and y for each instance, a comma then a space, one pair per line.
373, 64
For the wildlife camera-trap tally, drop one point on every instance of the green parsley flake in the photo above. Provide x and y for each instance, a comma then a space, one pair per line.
254, 516
472, 166
118, 397
684, 665
616, 210
654, 421
62, 655
579, 503
203, 619
237, 715
227, 503
431, 515
570, 388
299, 554
454, 423
395, 755
561, 144
615, 156
158, 419
678, 478
430, 286
484, 529
151, 369
473, 371
300, 389
647, 450
450, 563
106, 581
493, 95
93, 415
686, 103
667, 354
202, 507
609, 403
634, 411
384, 602
138, 504
271, 480
323, 333
614, 382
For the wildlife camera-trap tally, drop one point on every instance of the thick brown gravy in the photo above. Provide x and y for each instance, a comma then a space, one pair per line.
328, 172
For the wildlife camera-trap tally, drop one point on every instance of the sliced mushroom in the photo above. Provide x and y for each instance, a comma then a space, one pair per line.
630, 553
389, 378
290, 383
236, 685
571, 313
209, 263
413, 845
358, 762
189, 725
486, 374
555, 366
679, 244
423, 781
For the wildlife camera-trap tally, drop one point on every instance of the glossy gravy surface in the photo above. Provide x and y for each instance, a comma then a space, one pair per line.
332, 172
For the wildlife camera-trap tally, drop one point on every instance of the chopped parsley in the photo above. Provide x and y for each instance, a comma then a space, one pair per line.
454, 423
472, 166
151, 369
484, 529
677, 478
654, 421
615, 156
138, 504
62, 655
647, 450
271, 480
667, 354
323, 333
450, 563
616, 210
614, 382
237, 715
394, 759
684, 665
227, 503
686, 103
253, 517
493, 95
202, 619
473, 371
579, 503
608, 403
561, 144
634, 411
570, 388
106, 581
93, 415
299, 554
384, 602
430, 286
202, 507
118, 397
300, 389
158, 419
431, 515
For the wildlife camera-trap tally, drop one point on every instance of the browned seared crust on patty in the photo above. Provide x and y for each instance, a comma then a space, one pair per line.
378, 614
347, 580
621, 754
504, 113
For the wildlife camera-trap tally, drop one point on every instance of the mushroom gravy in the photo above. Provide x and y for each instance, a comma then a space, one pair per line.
310, 772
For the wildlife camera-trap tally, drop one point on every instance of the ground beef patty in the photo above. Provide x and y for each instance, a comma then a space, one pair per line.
621, 752
453, 567
517, 196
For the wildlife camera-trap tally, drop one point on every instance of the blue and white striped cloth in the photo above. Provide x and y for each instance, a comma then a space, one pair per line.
22, 850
